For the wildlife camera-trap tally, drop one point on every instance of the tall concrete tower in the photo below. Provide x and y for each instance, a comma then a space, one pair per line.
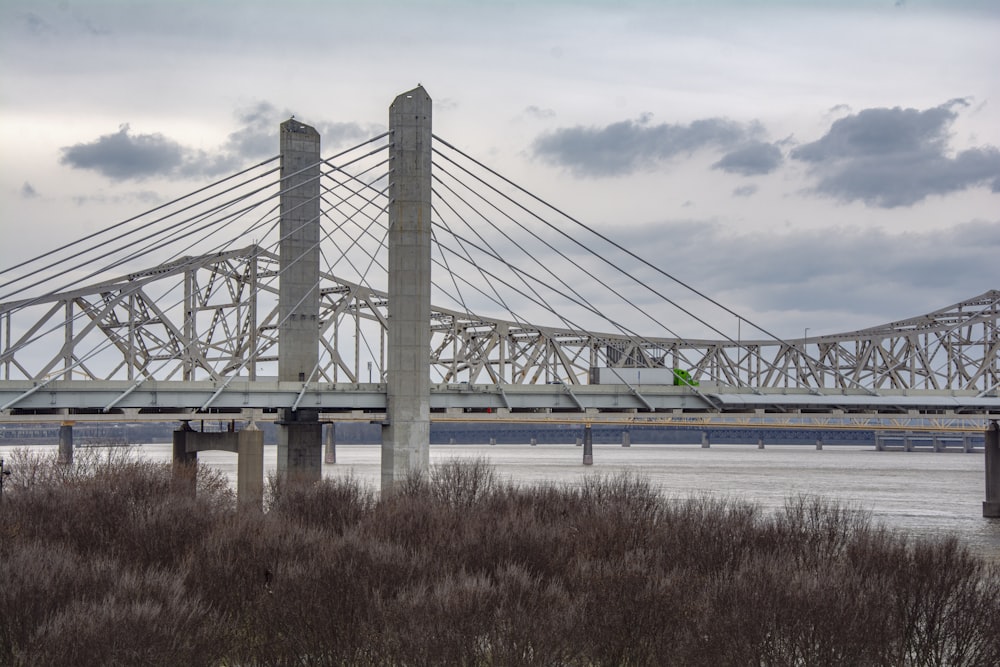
406, 435
299, 431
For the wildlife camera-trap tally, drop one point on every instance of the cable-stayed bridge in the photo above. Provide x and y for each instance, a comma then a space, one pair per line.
210, 305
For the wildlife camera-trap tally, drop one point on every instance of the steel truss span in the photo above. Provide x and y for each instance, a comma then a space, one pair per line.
222, 321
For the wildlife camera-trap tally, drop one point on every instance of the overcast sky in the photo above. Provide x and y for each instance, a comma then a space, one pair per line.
822, 164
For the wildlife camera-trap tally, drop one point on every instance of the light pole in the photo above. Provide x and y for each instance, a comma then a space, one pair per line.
369, 372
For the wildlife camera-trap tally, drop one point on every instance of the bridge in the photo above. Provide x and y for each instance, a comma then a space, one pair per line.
402, 281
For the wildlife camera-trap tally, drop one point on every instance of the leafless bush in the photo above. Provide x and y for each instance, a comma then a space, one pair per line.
454, 567
333, 504
143, 619
461, 484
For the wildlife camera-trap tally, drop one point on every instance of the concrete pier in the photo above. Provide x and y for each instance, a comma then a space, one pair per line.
66, 443
706, 442
250, 468
247, 444
588, 445
991, 506
299, 431
626, 438
185, 460
330, 443
406, 433
760, 443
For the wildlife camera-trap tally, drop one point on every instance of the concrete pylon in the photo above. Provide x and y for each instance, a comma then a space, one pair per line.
250, 467
991, 506
406, 433
66, 442
300, 433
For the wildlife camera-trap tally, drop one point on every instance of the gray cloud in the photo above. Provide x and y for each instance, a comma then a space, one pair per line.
538, 112
35, 24
124, 155
753, 159
834, 280
146, 197
896, 157
745, 191
28, 191
627, 146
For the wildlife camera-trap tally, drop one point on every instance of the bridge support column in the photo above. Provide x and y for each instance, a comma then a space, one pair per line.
626, 438
493, 440
588, 445
247, 444
66, 443
300, 438
819, 444
406, 434
533, 441
760, 443
706, 442
991, 506
185, 460
300, 446
250, 468
331, 443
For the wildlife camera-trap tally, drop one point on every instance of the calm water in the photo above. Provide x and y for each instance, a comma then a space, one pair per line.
921, 493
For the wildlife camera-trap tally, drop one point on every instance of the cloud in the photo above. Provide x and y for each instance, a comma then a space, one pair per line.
753, 159
124, 155
35, 24
145, 197
28, 191
835, 280
745, 191
539, 112
624, 147
896, 157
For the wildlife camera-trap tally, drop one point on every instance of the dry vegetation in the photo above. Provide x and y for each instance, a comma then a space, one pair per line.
110, 563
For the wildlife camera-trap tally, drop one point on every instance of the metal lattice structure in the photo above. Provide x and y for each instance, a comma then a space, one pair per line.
215, 317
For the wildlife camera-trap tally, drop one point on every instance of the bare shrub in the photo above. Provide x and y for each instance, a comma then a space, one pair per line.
462, 484
456, 568
38, 578
333, 504
144, 619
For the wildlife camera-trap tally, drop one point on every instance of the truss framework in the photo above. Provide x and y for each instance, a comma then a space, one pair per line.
215, 317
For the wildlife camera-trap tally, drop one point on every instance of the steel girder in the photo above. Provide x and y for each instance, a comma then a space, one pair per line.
215, 316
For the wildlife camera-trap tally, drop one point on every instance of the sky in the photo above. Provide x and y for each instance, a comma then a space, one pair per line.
823, 164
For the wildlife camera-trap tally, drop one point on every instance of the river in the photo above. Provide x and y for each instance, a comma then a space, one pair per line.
924, 494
